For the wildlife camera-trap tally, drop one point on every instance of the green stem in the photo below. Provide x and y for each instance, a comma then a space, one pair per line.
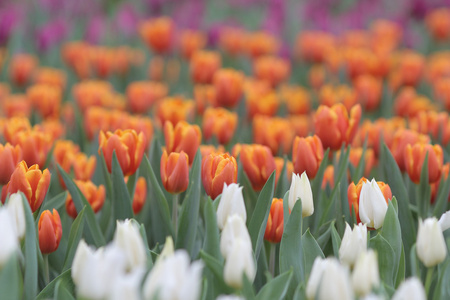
175, 214
428, 280
46, 269
272, 259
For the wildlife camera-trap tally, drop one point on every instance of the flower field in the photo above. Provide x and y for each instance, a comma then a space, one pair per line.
224, 150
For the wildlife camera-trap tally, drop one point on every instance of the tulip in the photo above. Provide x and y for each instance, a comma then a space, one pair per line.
239, 261
430, 244
129, 148
184, 137
10, 156
365, 275
314, 46
158, 34
140, 195
174, 278
174, 110
410, 289
141, 95
301, 189
274, 227
369, 90
31, 181
204, 96
127, 286
271, 69
444, 221
229, 297
279, 162
234, 229
273, 132
220, 123
307, 154
46, 99
232, 40
217, 171
203, 66
297, 99
35, 146
372, 205
265, 104
167, 251
206, 150
261, 43
231, 203
21, 68
13, 126
330, 95
400, 140
175, 171
94, 195
84, 166
328, 177
17, 213
258, 164
50, 231
191, 41
415, 158
353, 243
16, 106
10, 243
128, 238
229, 87
51, 77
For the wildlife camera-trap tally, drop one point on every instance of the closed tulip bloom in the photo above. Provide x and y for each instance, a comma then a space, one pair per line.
231, 203
274, 227
46, 99
184, 137
84, 166
271, 69
128, 238
128, 145
203, 66
31, 181
217, 170
258, 164
175, 110
307, 154
141, 95
158, 34
175, 171
21, 68
301, 189
50, 231
401, 139
365, 275
140, 195
35, 146
234, 229
410, 289
229, 85
415, 158
430, 244
10, 242
372, 205
444, 221
353, 243
94, 195
238, 262
220, 123
10, 156
17, 213
273, 132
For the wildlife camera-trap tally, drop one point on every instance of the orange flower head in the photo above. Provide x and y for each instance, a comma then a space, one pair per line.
414, 156
307, 154
35, 146
102, 60
218, 169
191, 41
175, 110
442, 91
279, 163
92, 93
63, 153
386, 35
354, 191
94, 195
13, 126
274, 227
330, 95
369, 90
31, 181
75, 56
369, 158
5, 90
312, 46
139, 124
129, 148
141, 95
175, 171
206, 150
275, 133
402, 138
10, 156
184, 137
229, 85
411, 66
140, 195
219, 122
328, 177
50, 231
266, 104
16, 106
50, 76
433, 123
317, 76
359, 61
84, 166
271, 69
205, 96
158, 34
21, 68
232, 40
438, 23
261, 43
46, 99
156, 68
258, 163
203, 66
297, 99
301, 124
438, 66
333, 125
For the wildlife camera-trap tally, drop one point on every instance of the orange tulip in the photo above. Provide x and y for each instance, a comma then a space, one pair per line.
333, 125
129, 148
184, 137
279, 163
63, 153
158, 34
317, 76
232, 40
93, 194
301, 124
414, 156
402, 138
229, 85
92, 93
218, 169
205, 96
13, 126
275, 133
330, 95
50, 76
261, 43
438, 23
140, 195
312, 46
203, 66
369, 90
411, 67
274, 227
50, 231
31, 181
139, 124
297, 99
9, 158
84, 166
175, 110
16, 106
219, 122
175, 172
354, 192
102, 60
191, 41
156, 68
328, 177
266, 104
46, 99
206, 150
141, 95
21, 68
433, 123
258, 164
74, 55
369, 158
442, 91
35, 146
307, 154
271, 69
409, 104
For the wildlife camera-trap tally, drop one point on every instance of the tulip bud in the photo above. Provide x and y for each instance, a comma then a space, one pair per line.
229, 86
430, 244
415, 158
175, 172
168, 249
239, 260
184, 137
10, 156
50, 231
353, 243
217, 170
220, 123
307, 154
410, 289
140, 195
234, 229
231, 203
17, 213
365, 275
372, 205
444, 221
94, 195
274, 227
8, 237
129, 240
258, 164
301, 188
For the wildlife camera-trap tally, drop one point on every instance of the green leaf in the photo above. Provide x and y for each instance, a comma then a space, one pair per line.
121, 198
424, 190
283, 183
401, 269
56, 202
61, 291
310, 251
31, 264
336, 240
316, 187
106, 220
212, 238
442, 197
276, 288
414, 262
442, 289
359, 171
258, 221
11, 284
187, 226
386, 259
76, 231
216, 268
48, 291
80, 201
247, 288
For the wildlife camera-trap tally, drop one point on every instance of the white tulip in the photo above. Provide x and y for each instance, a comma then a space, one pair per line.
234, 228
8, 237
444, 221
239, 261
16, 211
430, 244
365, 274
301, 188
353, 243
168, 249
314, 277
231, 202
411, 289
372, 205
174, 278
128, 238
372, 297
127, 286
229, 297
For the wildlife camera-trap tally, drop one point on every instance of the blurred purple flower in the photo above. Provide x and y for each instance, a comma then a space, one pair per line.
183, 14
10, 17
127, 19
51, 34
95, 29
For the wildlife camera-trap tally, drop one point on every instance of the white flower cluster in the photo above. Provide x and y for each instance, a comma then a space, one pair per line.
12, 227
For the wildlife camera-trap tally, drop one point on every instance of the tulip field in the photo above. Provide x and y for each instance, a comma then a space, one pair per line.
242, 149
